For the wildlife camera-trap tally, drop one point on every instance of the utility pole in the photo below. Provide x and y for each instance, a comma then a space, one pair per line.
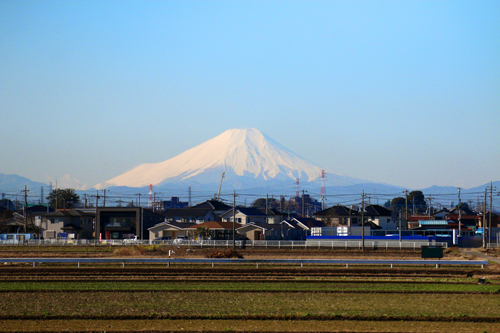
484, 218
491, 208
139, 195
406, 213
430, 204
97, 197
104, 199
459, 214
25, 208
97, 219
234, 220
267, 207
303, 204
363, 221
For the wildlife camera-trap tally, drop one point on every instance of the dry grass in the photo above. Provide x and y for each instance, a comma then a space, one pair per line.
228, 253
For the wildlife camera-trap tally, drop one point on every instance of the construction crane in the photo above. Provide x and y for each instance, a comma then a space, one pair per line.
220, 185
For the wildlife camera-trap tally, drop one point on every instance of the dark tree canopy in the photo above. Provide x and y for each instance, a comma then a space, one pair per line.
7, 214
63, 198
398, 203
261, 203
416, 200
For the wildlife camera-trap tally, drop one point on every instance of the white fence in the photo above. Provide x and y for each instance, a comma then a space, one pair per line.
317, 244
214, 261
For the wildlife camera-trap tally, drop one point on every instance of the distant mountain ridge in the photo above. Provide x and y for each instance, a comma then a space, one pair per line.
16, 182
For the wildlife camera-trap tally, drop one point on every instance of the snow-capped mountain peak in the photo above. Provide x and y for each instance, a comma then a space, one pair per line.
237, 152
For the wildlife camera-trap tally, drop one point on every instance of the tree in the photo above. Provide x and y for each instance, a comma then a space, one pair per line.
416, 200
261, 203
7, 214
398, 203
202, 233
63, 198
463, 206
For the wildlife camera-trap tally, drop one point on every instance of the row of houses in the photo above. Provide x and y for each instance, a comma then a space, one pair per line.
219, 219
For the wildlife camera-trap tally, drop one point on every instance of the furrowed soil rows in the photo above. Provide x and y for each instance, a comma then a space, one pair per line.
40, 273
185, 297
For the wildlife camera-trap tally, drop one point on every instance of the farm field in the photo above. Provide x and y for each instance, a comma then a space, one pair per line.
243, 298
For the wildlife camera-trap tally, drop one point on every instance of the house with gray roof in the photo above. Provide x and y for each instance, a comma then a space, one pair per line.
245, 215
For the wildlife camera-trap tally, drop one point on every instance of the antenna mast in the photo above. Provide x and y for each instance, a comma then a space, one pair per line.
150, 195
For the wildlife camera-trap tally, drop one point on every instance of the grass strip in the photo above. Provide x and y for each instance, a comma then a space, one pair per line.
248, 286
264, 292
241, 326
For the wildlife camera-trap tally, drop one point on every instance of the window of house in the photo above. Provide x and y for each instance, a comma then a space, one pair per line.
118, 222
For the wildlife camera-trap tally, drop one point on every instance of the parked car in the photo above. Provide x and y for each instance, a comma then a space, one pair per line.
130, 240
160, 240
180, 240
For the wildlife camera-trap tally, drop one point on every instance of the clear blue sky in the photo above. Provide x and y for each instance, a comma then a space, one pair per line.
401, 92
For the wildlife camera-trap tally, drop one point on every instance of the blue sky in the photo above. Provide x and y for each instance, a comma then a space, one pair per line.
401, 92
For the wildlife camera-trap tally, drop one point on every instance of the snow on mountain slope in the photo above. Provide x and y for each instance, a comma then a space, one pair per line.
238, 152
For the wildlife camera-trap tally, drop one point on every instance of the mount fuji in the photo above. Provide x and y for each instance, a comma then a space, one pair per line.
248, 158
